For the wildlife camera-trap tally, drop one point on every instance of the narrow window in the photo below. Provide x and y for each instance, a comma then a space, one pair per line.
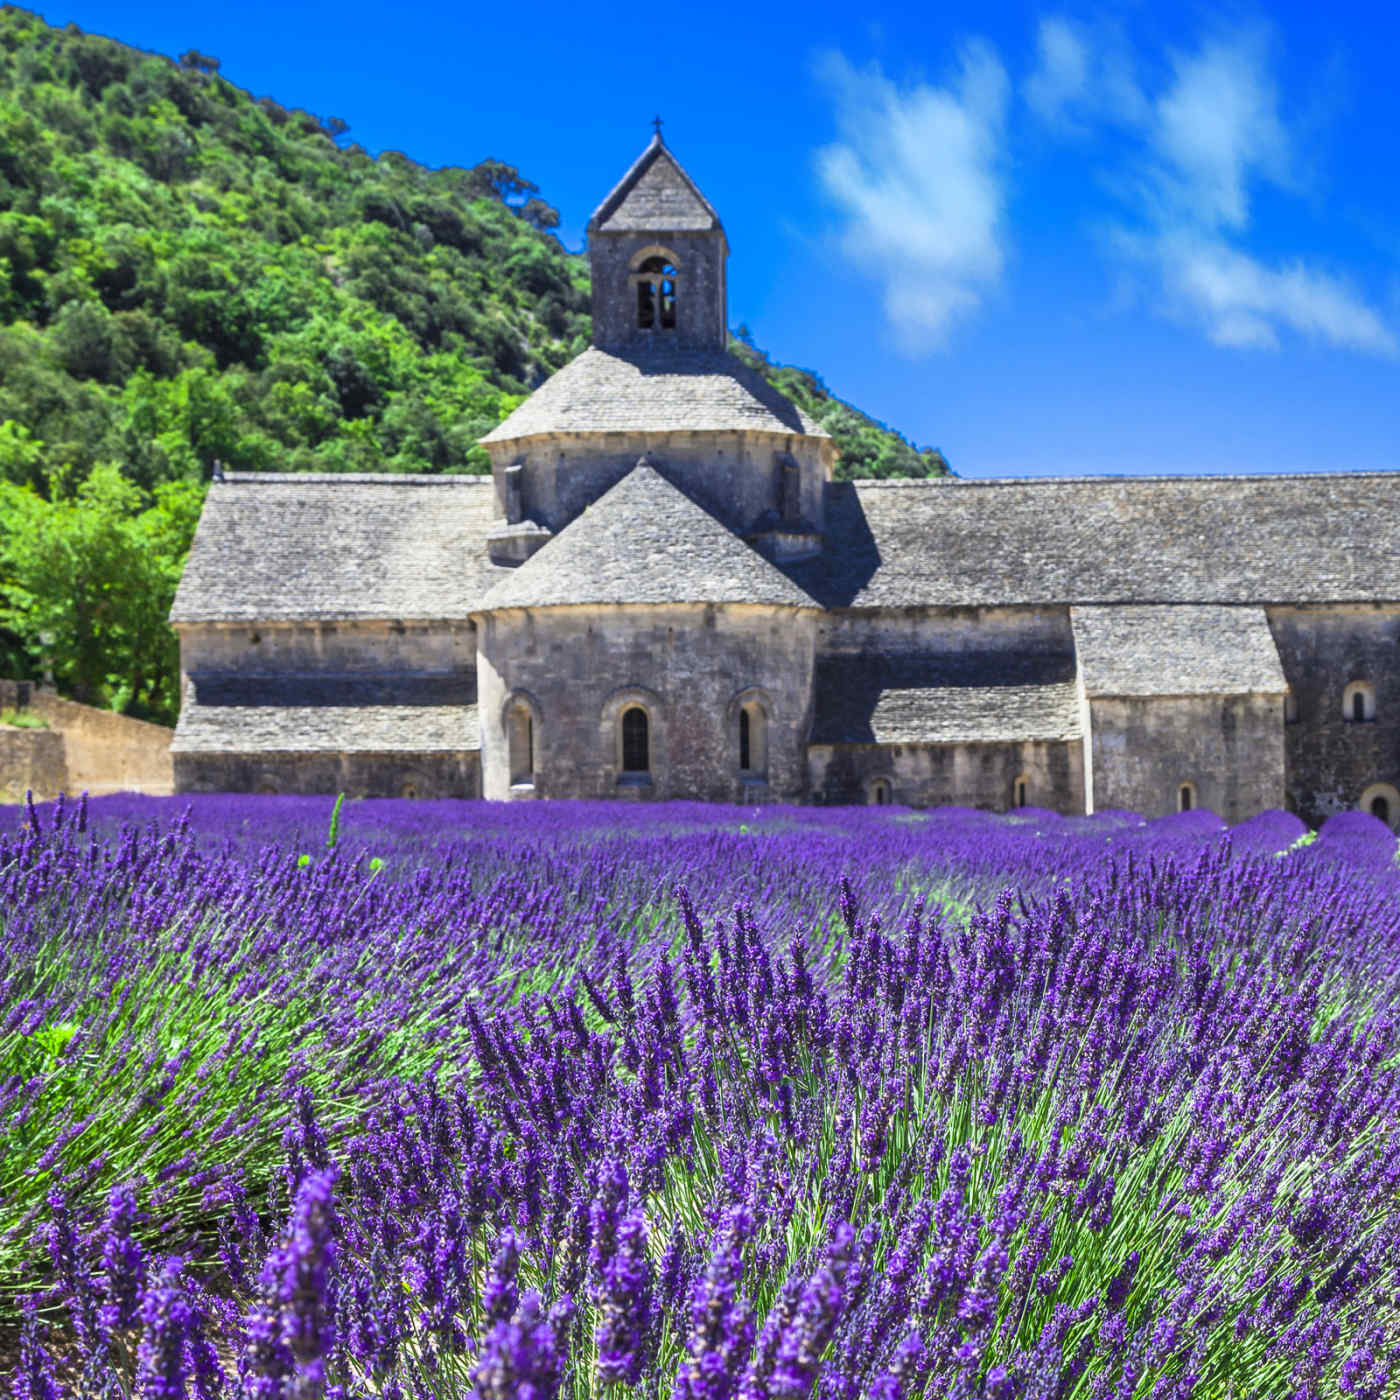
1185, 798
520, 736
1021, 792
880, 792
745, 753
1380, 809
1359, 702
1290, 708
636, 747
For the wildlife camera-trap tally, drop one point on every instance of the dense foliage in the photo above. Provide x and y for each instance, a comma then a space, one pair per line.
459, 1100
189, 274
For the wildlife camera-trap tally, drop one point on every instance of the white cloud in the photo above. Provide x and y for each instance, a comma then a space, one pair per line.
1203, 145
1082, 74
917, 174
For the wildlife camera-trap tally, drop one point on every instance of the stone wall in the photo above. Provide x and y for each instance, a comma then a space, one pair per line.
355, 774
690, 666
84, 749
700, 290
31, 760
1018, 632
1332, 759
354, 650
1229, 748
734, 475
965, 775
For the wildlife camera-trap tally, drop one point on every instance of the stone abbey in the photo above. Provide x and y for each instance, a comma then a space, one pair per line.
661, 592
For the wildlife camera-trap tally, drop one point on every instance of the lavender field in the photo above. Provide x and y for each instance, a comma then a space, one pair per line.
449, 1100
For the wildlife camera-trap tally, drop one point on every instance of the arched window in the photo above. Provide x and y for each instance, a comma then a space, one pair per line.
880, 792
520, 738
753, 740
655, 280
409, 789
1020, 792
1359, 702
1382, 801
636, 741
1186, 797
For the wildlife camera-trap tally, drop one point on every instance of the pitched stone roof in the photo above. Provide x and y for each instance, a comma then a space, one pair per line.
275, 546
327, 729
1183, 649
644, 541
1251, 539
655, 193
945, 699
654, 390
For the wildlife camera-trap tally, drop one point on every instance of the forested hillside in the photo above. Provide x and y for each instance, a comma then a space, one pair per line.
188, 273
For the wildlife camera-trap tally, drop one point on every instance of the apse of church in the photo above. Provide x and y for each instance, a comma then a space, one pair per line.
662, 591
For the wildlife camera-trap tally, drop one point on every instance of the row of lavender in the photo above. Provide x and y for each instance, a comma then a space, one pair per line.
448, 1100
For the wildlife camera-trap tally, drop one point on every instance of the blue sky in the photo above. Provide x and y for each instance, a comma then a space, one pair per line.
1049, 240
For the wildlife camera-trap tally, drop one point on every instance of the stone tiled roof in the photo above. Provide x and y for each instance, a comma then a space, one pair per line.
1184, 649
275, 546
327, 729
1305, 538
644, 541
654, 390
655, 193
945, 699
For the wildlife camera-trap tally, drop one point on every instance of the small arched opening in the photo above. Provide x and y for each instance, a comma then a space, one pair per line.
753, 741
520, 744
654, 276
1021, 792
1186, 797
1359, 702
409, 789
635, 737
880, 793
1382, 801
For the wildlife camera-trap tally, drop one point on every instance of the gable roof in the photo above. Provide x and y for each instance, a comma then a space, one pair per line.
327, 729
655, 194
944, 699
1317, 538
1176, 649
281, 547
644, 541
655, 390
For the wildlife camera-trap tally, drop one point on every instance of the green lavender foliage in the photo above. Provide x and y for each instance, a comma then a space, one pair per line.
190, 273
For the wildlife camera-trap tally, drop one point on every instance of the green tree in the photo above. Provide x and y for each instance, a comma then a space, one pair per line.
89, 581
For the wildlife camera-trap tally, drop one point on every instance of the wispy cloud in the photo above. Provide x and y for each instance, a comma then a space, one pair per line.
1082, 75
917, 174
1204, 143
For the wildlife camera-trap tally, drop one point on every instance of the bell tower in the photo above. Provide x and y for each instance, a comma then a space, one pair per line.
656, 251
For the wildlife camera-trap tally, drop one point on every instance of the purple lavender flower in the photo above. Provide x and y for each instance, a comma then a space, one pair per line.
523, 1359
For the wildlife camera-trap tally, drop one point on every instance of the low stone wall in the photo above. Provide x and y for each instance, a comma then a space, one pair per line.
962, 774
84, 749
31, 760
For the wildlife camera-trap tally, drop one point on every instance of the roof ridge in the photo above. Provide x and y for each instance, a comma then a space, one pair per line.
358, 478
1193, 478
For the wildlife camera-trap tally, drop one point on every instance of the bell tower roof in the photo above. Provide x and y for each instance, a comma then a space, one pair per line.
655, 196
